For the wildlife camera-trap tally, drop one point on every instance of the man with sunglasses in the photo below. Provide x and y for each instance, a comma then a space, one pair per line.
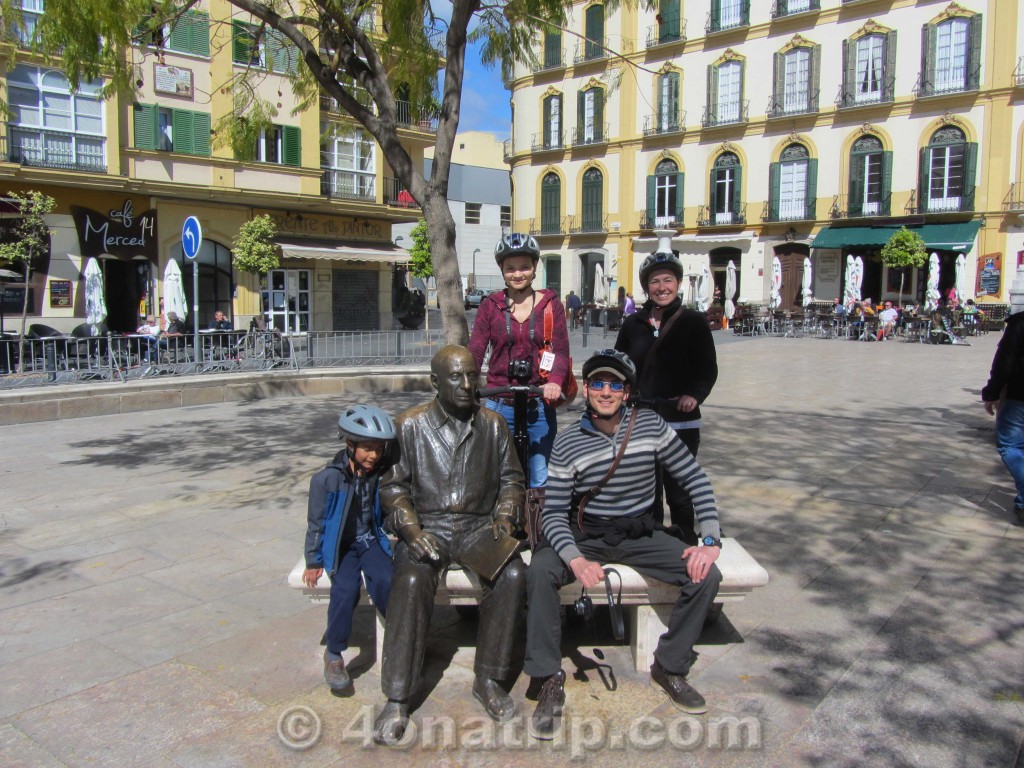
672, 348
616, 525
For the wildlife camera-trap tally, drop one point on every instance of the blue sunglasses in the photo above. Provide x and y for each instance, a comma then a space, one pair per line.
598, 385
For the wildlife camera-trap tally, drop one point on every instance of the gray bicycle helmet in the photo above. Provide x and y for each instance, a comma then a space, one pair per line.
516, 244
611, 361
660, 260
365, 422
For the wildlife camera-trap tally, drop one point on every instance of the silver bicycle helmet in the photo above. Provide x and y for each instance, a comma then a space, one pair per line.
611, 361
661, 260
516, 244
365, 422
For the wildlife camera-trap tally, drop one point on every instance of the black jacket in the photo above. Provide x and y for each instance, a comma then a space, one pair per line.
1008, 363
685, 362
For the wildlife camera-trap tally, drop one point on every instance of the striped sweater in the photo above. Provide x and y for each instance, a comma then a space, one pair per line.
581, 457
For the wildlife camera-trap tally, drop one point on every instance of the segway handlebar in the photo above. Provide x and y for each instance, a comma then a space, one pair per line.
510, 389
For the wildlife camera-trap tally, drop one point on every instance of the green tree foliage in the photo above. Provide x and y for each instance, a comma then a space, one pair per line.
254, 249
904, 249
31, 240
377, 60
420, 264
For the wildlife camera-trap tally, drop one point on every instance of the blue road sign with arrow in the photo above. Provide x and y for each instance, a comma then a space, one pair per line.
191, 237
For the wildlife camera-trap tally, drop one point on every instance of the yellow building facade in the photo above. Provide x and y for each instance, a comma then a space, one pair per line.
767, 133
126, 173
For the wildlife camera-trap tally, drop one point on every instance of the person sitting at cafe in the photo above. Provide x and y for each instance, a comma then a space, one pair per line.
175, 329
887, 319
220, 322
972, 316
860, 313
148, 327
838, 309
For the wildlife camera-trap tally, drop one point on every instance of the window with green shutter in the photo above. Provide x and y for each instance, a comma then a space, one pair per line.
951, 56
145, 125
174, 130
868, 190
191, 34
593, 200
594, 26
550, 204
291, 145
552, 49
245, 49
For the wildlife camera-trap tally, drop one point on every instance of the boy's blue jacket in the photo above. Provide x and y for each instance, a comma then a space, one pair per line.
329, 503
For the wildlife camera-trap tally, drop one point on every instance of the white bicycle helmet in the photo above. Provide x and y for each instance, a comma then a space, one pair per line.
365, 422
661, 260
516, 244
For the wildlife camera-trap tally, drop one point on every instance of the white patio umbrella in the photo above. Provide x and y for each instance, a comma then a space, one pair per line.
600, 287
704, 288
775, 290
95, 303
174, 293
6, 274
730, 290
849, 298
932, 295
805, 288
963, 289
858, 277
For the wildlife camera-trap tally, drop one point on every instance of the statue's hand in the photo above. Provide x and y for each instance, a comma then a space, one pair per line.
503, 524
423, 546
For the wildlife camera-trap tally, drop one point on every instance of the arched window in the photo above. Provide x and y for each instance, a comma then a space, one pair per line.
948, 168
794, 181
216, 280
593, 200
870, 178
551, 205
726, 93
665, 196
726, 176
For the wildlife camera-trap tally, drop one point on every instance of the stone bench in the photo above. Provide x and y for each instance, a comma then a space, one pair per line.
647, 603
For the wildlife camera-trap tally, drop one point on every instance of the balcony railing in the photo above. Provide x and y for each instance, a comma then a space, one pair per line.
842, 208
923, 203
924, 87
729, 115
670, 29
348, 185
742, 19
587, 224
911, 207
781, 8
550, 60
659, 126
56, 149
848, 96
661, 222
395, 194
542, 227
597, 134
789, 211
706, 217
543, 142
408, 117
1014, 200
1018, 73
591, 50
782, 106
506, 149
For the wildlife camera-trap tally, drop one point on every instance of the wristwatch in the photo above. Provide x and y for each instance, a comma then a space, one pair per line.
711, 541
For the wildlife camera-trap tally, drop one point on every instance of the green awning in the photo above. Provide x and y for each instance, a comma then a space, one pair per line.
958, 236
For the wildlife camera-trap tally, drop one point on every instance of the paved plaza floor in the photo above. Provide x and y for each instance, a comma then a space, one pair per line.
145, 620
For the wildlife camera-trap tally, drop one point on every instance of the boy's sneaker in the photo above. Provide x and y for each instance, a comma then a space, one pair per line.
335, 673
683, 695
546, 721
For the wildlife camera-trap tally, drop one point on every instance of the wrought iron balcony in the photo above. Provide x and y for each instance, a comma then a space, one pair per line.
544, 142
706, 217
783, 106
922, 203
598, 134
660, 222
843, 208
549, 61
395, 194
506, 149
924, 87
1014, 200
56, 149
659, 126
789, 211
348, 185
1018, 73
541, 228
848, 96
591, 50
721, 25
782, 8
728, 115
586, 224
668, 30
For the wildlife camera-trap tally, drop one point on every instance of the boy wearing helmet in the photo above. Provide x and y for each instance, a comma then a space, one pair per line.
345, 535
595, 515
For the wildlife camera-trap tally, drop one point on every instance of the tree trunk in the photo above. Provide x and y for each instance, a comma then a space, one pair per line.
441, 234
24, 318
903, 276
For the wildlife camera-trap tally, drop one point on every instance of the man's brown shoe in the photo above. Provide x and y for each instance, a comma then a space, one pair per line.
681, 693
335, 673
546, 721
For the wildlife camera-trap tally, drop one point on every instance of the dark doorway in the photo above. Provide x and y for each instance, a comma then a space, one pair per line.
588, 268
719, 259
553, 273
791, 257
121, 288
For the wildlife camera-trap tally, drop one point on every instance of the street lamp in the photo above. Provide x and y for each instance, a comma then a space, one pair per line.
474, 267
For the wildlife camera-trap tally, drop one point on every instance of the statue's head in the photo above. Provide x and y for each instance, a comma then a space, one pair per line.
453, 376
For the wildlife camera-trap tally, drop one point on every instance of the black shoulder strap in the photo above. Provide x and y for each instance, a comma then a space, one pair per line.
586, 497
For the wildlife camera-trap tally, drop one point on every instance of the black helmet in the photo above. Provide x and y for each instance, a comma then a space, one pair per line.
516, 244
661, 260
611, 361
365, 422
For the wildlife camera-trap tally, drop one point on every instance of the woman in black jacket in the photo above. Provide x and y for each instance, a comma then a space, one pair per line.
674, 354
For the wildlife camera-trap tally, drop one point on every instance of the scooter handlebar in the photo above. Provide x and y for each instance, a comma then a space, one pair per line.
510, 389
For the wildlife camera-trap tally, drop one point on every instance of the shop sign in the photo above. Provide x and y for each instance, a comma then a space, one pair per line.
989, 275
60, 293
314, 225
826, 267
12, 298
119, 232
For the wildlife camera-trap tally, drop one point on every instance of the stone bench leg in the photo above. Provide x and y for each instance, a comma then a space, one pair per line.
648, 623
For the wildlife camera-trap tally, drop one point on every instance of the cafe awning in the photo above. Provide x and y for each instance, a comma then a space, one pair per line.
343, 250
956, 236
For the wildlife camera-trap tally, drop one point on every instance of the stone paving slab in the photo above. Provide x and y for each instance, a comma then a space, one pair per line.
145, 618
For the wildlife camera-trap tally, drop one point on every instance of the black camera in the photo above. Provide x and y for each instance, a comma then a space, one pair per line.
583, 608
520, 370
